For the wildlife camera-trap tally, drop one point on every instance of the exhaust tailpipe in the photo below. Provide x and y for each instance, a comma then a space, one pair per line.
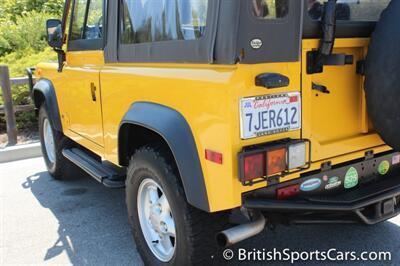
241, 232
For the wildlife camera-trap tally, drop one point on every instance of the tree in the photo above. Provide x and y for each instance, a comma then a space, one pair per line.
12, 9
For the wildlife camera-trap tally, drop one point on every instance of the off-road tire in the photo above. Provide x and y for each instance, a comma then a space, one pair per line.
382, 79
195, 229
57, 169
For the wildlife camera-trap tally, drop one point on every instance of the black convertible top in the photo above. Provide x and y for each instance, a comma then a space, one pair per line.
230, 29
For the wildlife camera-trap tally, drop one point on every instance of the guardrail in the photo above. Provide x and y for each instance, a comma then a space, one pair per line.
8, 108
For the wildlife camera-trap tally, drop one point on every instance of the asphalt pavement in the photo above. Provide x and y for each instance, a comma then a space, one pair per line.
80, 222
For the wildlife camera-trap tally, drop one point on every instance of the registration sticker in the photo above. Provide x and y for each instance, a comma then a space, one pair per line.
270, 114
396, 159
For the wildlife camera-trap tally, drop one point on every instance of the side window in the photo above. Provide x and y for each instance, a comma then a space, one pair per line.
144, 21
78, 18
270, 9
87, 20
94, 24
351, 10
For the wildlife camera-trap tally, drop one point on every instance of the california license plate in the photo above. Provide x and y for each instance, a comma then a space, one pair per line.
270, 114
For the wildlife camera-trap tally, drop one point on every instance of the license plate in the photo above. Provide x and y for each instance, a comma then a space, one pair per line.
270, 114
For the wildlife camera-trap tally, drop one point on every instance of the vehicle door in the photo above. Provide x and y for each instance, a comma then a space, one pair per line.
85, 58
334, 115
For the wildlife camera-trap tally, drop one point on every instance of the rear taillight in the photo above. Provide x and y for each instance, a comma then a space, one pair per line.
273, 159
253, 166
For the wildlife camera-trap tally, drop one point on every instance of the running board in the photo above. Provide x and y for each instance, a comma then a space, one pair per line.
99, 171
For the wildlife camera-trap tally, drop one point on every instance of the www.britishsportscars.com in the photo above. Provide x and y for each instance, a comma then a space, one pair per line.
292, 256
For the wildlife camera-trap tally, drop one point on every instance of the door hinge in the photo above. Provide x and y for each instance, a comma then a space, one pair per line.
315, 64
361, 67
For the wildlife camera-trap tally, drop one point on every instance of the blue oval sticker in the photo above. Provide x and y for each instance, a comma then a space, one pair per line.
310, 185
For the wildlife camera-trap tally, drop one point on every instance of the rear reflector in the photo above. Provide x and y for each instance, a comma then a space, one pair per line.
276, 161
254, 166
213, 156
287, 192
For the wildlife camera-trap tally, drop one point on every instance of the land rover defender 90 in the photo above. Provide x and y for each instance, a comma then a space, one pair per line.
277, 111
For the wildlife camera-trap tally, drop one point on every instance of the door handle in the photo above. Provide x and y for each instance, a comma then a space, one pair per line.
93, 91
320, 88
272, 80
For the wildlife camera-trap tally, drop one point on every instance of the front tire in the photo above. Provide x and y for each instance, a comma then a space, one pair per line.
166, 229
53, 142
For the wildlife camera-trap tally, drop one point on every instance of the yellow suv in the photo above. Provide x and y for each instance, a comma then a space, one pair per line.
210, 110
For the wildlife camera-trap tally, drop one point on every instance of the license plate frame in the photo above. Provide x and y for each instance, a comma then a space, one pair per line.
272, 114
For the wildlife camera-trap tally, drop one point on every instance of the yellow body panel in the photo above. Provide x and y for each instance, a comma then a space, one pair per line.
208, 97
337, 123
81, 116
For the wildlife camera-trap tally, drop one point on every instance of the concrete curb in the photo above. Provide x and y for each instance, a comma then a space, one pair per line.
20, 152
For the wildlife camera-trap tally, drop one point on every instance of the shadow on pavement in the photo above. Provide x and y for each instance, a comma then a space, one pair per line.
93, 228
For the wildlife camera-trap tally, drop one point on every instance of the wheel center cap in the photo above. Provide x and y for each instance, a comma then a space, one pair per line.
155, 219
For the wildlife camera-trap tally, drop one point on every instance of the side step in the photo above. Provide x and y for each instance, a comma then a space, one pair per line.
104, 174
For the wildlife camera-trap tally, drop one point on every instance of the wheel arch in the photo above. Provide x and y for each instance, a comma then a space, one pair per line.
44, 92
139, 128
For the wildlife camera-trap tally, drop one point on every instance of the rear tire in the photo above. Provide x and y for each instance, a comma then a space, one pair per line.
194, 242
53, 142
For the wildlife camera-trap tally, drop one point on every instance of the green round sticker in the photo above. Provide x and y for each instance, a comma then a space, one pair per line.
351, 178
383, 167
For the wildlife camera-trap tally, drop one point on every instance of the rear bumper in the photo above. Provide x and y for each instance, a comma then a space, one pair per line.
369, 203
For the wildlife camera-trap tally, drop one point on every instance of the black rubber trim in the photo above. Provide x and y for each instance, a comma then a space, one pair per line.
85, 45
174, 129
31, 83
44, 89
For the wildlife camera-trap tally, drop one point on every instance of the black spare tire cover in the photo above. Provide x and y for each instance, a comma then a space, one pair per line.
382, 76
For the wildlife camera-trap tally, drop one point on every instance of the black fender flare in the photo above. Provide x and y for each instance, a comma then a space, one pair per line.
43, 91
176, 132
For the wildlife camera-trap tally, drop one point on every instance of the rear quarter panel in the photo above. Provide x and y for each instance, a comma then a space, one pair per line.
208, 97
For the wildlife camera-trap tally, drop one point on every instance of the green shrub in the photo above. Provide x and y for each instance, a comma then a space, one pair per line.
17, 63
23, 44
20, 60
28, 32
12, 9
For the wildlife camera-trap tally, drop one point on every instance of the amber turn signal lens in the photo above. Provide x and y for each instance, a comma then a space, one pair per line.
276, 161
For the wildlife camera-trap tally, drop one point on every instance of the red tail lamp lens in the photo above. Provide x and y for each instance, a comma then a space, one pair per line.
276, 160
287, 192
254, 166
